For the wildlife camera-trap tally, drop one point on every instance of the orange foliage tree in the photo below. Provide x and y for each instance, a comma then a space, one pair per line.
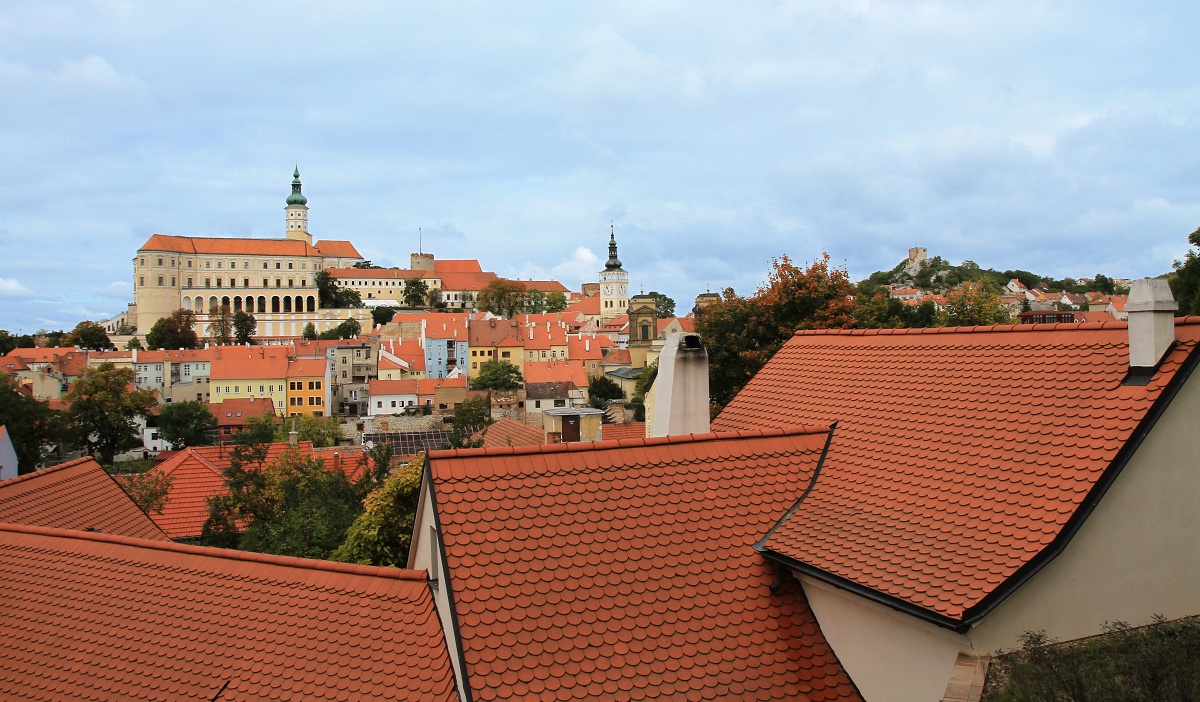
741, 334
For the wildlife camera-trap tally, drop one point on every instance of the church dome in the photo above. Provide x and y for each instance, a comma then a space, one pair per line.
297, 197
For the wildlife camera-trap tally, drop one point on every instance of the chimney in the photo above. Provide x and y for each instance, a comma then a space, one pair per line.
1151, 309
678, 400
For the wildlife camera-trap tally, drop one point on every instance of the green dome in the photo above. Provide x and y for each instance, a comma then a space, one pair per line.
297, 197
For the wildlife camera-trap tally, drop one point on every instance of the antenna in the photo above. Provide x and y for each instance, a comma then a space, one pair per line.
420, 241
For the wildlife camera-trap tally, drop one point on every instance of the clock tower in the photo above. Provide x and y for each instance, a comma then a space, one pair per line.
614, 284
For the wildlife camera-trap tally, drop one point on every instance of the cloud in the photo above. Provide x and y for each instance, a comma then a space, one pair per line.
10, 287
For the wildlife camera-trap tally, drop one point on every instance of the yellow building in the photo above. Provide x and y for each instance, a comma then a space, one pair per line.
308, 387
250, 372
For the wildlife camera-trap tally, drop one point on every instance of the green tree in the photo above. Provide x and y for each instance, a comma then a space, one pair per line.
30, 424
416, 292
470, 416
8, 342
663, 306
348, 329
435, 300
1185, 279
327, 290
645, 381
292, 506
321, 431
377, 466
220, 325
89, 335
497, 375
103, 410
176, 331
973, 305
382, 315
244, 327
183, 424
348, 299
605, 388
742, 334
1104, 284
133, 343
309, 333
149, 490
502, 297
365, 264
535, 302
383, 532
556, 301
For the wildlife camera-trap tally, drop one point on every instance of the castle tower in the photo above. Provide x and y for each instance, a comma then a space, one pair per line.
297, 212
614, 284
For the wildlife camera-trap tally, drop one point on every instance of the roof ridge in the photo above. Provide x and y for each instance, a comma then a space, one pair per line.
48, 470
230, 554
977, 329
602, 445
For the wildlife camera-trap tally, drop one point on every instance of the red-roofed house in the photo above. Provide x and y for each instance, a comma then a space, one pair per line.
103, 617
392, 396
77, 494
940, 534
308, 386
233, 414
624, 570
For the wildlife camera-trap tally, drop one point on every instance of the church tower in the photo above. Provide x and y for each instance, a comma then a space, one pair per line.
297, 212
643, 328
614, 284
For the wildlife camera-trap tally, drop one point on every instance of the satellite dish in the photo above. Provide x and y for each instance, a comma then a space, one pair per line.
370, 444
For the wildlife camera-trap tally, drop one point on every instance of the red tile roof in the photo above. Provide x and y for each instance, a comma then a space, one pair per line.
461, 265
556, 372
507, 431
929, 495
377, 274
625, 570
333, 248
77, 494
230, 246
99, 617
195, 476
308, 368
628, 430
393, 387
236, 412
589, 305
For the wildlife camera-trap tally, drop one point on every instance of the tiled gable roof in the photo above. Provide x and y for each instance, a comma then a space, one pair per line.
393, 387
195, 476
459, 265
334, 248
625, 570
507, 431
228, 246
77, 494
628, 430
589, 305
929, 495
99, 617
556, 372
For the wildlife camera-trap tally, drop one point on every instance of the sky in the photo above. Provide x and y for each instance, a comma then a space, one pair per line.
1061, 138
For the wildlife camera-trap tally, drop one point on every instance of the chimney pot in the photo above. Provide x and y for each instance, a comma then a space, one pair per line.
1151, 309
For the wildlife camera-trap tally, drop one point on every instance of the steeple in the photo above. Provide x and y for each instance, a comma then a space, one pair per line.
297, 211
613, 263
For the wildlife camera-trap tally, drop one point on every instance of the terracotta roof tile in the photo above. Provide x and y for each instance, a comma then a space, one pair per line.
228, 246
929, 494
629, 430
507, 431
195, 476
337, 249
625, 570
99, 617
461, 265
78, 494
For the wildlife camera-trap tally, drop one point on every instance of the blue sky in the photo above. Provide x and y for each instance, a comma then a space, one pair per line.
1062, 138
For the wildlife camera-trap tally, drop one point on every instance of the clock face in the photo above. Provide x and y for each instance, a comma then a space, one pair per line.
608, 290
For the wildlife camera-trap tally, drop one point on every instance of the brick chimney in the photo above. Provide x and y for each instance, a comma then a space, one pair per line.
678, 400
1151, 309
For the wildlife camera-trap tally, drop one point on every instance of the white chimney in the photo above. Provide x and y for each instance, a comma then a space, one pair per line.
1151, 309
678, 400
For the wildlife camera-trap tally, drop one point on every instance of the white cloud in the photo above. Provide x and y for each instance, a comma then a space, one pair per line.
10, 287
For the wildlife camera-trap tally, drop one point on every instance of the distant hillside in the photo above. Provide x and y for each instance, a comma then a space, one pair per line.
936, 275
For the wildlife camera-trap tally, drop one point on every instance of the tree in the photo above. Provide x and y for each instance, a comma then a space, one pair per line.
327, 289
309, 333
103, 410
502, 297
377, 466
435, 300
556, 301
645, 381
149, 490
30, 424
469, 417
382, 315
133, 343
183, 424
244, 327
8, 342
535, 302
220, 325
347, 298
89, 335
605, 388
176, 331
1185, 279
498, 375
348, 329
321, 431
743, 333
663, 306
1104, 284
365, 264
383, 532
292, 506
416, 292
973, 305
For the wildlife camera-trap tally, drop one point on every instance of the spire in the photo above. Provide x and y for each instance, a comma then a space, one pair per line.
296, 198
613, 263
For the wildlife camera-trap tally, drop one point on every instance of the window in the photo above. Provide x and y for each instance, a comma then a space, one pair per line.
289, 265
160, 260
245, 282
237, 388
560, 403
189, 263
189, 282
379, 404
504, 354
143, 260
208, 264
537, 404
264, 265
290, 283
160, 278
245, 264
233, 282
343, 374
218, 282
141, 281
208, 282
218, 264
277, 265
266, 283
278, 283
393, 403
314, 401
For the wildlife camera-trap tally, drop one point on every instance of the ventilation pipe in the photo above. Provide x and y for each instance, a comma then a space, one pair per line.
1151, 309
678, 401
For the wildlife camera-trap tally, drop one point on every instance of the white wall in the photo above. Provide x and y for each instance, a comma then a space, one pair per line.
8, 457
